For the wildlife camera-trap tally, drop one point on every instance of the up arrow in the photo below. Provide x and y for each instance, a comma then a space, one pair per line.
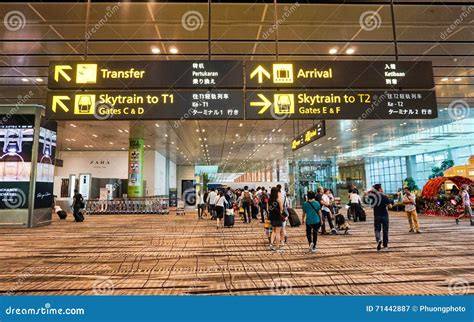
260, 71
265, 103
60, 70
58, 101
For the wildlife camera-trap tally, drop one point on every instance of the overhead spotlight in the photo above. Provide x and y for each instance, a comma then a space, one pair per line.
333, 51
444, 79
24, 80
350, 51
157, 125
173, 50
39, 80
155, 50
95, 135
458, 79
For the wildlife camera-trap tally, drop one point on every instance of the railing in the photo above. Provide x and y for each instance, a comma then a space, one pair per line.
118, 206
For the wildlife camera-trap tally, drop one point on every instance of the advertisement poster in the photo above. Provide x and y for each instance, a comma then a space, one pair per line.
135, 168
45, 166
16, 142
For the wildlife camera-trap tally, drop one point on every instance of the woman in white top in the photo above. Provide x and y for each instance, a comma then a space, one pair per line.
355, 202
221, 202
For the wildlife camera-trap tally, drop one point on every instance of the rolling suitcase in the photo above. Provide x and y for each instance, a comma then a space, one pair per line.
78, 217
293, 218
228, 220
61, 214
362, 215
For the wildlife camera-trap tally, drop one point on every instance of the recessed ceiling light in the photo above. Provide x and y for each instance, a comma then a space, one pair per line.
120, 130
24, 80
458, 79
95, 135
123, 148
350, 51
157, 125
166, 135
173, 50
333, 51
374, 134
39, 80
69, 149
172, 142
241, 124
155, 50
111, 143
444, 79
73, 125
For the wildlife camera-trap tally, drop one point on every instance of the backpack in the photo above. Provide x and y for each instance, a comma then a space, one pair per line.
247, 197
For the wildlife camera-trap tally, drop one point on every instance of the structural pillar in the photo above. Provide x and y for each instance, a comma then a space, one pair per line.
136, 152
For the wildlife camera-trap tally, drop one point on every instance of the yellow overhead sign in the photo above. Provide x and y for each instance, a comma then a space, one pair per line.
260, 72
86, 73
58, 101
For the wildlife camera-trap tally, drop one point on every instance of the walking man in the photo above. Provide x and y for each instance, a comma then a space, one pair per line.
409, 200
466, 202
381, 221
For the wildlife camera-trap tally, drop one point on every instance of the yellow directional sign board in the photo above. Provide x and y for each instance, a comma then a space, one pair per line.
339, 74
145, 74
310, 135
144, 105
350, 105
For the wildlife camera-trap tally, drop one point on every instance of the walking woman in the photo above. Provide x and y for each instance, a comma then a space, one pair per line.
201, 205
221, 202
276, 218
312, 214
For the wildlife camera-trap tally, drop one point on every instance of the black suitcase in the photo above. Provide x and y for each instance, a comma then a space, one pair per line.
340, 220
362, 215
228, 220
293, 218
61, 214
78, 217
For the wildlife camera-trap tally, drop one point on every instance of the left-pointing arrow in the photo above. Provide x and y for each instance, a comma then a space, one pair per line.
61, 70
58, 101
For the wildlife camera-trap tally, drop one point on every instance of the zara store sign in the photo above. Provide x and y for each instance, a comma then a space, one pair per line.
99, 164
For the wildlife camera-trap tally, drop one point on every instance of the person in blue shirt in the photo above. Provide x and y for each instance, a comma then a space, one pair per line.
380, 203
312, 217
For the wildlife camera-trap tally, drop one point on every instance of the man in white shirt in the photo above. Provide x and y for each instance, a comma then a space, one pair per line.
326, 212
466, 203
409, 200
211, 201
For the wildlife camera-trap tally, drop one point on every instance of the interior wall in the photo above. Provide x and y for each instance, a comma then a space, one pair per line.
184, 172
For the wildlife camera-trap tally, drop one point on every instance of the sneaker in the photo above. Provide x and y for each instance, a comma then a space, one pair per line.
418, 232
311, 247
286, 238
379, 245
314, 250
272, 247
457, 221
385, 249
411, 230
333, 232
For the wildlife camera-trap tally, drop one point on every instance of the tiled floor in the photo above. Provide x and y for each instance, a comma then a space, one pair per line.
157, 254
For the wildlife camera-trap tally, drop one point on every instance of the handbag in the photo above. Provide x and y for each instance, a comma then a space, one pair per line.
317, 212
241, 210
267, 224
229, 212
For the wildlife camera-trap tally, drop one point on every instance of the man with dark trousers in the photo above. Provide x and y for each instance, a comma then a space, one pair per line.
380, 203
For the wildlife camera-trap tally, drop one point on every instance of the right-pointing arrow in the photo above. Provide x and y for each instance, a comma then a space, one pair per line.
265, 103
58, 101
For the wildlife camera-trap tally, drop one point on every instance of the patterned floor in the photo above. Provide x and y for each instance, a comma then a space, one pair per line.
138, 255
